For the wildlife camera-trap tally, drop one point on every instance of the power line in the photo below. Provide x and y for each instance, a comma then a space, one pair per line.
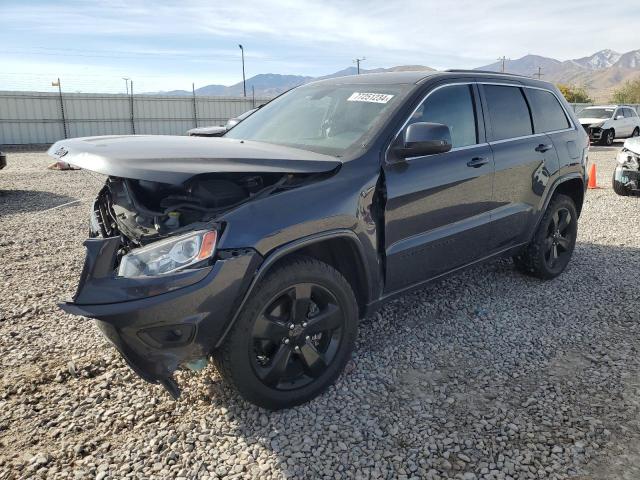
56, 52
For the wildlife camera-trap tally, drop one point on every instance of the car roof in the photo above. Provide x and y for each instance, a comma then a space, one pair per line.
604, 106
386, 78
416, 77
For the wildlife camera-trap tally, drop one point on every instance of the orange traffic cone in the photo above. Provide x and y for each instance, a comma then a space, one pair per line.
592, 177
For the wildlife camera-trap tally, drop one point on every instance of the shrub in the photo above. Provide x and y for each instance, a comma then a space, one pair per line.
574, 94
628, 93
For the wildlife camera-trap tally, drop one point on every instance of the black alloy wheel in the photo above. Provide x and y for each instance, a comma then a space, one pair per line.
293, 336
296, 336
559, 238
551, 247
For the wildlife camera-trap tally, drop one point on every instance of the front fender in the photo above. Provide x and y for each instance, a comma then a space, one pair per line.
291, 248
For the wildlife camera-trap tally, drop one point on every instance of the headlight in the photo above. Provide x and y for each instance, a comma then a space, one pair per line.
628, 159
169, 255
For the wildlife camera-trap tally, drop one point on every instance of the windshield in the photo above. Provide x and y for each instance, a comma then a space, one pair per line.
326, 119
596, 113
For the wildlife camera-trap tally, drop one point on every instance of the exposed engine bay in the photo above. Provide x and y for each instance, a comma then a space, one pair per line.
143, 211
626, 177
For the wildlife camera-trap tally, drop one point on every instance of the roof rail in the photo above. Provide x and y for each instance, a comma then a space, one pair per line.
462, 70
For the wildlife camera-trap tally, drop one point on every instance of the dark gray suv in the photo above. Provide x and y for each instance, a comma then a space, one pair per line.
263, 248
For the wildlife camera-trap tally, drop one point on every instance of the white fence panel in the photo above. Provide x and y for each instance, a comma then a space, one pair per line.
37, 118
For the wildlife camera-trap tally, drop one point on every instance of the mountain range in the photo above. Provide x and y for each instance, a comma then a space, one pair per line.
599, 74
272, 84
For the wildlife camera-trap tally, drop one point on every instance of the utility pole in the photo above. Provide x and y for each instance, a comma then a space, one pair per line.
64, 120
126, 83
253, 96
244, 83
539, 74
133, 123
502, 59
357, 62
195, 109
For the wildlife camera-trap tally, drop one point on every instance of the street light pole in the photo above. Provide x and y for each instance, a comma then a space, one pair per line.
126, 83
64, 120
244, 83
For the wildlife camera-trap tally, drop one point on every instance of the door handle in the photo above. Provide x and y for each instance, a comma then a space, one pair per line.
543, 148
476, 162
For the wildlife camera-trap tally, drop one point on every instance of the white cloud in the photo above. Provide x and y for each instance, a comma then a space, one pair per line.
307, 37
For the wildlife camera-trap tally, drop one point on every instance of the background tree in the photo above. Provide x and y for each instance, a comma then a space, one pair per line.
574, 94
628, 93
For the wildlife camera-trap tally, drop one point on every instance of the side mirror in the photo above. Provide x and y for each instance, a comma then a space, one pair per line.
619, 117
423, 138
232, 122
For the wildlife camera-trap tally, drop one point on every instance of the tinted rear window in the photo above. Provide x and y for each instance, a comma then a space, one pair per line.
548, 115
508, 112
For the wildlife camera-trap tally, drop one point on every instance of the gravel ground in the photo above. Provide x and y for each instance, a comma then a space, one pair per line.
488, 374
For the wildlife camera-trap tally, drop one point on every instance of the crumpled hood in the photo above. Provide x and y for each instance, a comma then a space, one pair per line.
211, 131
591, 121
173, 159
633, 144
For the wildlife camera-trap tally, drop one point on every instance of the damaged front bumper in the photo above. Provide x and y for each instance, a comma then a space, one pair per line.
595, 133
626, 180
626, 177
160, 323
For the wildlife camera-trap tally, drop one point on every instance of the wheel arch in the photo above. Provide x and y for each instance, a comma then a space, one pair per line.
572, 187
339, 248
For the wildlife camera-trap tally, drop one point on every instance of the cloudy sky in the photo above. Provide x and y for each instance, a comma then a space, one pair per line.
165, 45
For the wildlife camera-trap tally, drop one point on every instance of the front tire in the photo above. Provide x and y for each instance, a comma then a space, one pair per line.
293, 336
552, 245
608, 137
618, 187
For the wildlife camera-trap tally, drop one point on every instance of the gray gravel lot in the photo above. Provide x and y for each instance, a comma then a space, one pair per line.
487, 374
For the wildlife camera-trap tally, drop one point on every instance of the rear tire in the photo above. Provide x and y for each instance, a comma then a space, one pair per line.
550, 250
293, 337
636, 132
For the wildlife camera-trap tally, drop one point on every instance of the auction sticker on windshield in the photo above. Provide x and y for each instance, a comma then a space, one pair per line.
369, 97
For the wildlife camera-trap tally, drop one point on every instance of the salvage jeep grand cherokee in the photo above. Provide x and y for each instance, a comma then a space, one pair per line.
264, 247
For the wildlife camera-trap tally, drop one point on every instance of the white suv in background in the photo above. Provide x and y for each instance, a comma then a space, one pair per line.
608, 122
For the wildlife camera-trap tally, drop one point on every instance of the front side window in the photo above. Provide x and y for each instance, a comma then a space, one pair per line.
508, 111
628, 113
321, 118
548, 114
452, 106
